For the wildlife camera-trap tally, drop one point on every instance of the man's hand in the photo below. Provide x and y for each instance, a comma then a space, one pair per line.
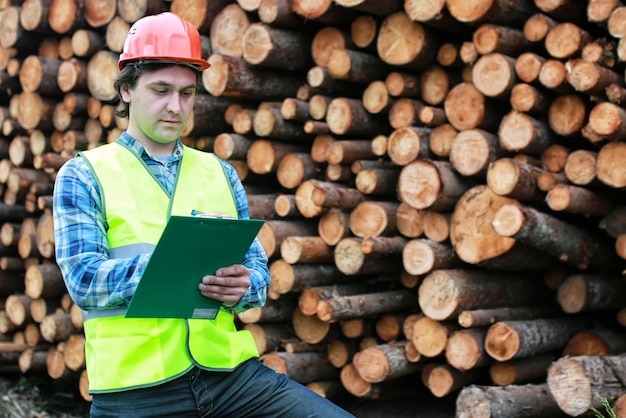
228, 284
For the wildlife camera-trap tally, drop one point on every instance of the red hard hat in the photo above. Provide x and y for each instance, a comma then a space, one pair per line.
163, 37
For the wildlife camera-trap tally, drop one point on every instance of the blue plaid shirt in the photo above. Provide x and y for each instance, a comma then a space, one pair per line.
82, 251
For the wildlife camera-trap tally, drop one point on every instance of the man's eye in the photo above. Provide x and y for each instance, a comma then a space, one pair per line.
187, 93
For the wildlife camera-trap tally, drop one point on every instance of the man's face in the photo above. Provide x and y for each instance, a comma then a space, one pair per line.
160, 104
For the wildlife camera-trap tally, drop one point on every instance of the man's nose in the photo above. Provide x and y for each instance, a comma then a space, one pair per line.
174, 104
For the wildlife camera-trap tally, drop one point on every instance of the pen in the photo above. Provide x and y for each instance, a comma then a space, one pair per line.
195, 212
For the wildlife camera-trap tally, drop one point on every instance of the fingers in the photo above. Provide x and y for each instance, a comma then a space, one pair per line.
228, 285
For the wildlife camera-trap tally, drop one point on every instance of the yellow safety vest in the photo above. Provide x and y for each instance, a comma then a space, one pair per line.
123, 353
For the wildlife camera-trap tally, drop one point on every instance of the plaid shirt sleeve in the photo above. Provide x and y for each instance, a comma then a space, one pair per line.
255, 259
96, 282
93, 280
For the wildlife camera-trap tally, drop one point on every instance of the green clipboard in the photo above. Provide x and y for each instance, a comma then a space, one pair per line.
190, 248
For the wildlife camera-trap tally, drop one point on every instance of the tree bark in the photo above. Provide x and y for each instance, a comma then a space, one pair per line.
295, 168
476, 290
514, 179
573, 199
575, 382
514, 401
507, 340
231, 77
590, 78
302, 367
44, 281
586, 292
523, 370
366, 304
499, 11
305, 249
491, 39
350, 259
355, 66
422, 256
346, 116
480, 244
274, 232
595, 341
384, 362
444, 379
479, 317
467, 108
553, 236
312, 295
276, 48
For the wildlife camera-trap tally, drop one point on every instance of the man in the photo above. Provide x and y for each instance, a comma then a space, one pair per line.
110, 207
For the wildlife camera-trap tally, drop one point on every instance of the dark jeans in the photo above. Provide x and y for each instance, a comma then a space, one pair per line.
252, 390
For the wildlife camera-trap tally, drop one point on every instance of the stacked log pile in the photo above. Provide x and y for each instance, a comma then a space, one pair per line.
442, 182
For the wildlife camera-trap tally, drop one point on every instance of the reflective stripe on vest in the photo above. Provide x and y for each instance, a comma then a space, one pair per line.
124, 353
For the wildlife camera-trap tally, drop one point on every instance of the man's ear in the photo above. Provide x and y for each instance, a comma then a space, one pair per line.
125, 93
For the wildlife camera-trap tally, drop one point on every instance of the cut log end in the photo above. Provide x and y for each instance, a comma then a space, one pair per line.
501, 342
570, 386
508, 220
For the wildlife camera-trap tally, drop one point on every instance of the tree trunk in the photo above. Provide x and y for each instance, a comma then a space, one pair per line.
366, 304
274, 232
348, 117
480, 317
384, 362
430, 184
522, 370
275, 48
497, 39
499, 11
472, 152
302, 367
305, 249
576, 382
576, 38
295, 168
507, 340
520, 132
444, 379
585, 292
355, 66
529, 99
494, 72
514, 401
56, 327
406, 43
311, 297
273, 311
444, 294
422, 256
595, 341
231, 77
351, 260
479, 243
590, 78
465, 349
44, 281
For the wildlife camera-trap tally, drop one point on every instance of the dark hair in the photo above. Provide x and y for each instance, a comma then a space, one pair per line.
129, 75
